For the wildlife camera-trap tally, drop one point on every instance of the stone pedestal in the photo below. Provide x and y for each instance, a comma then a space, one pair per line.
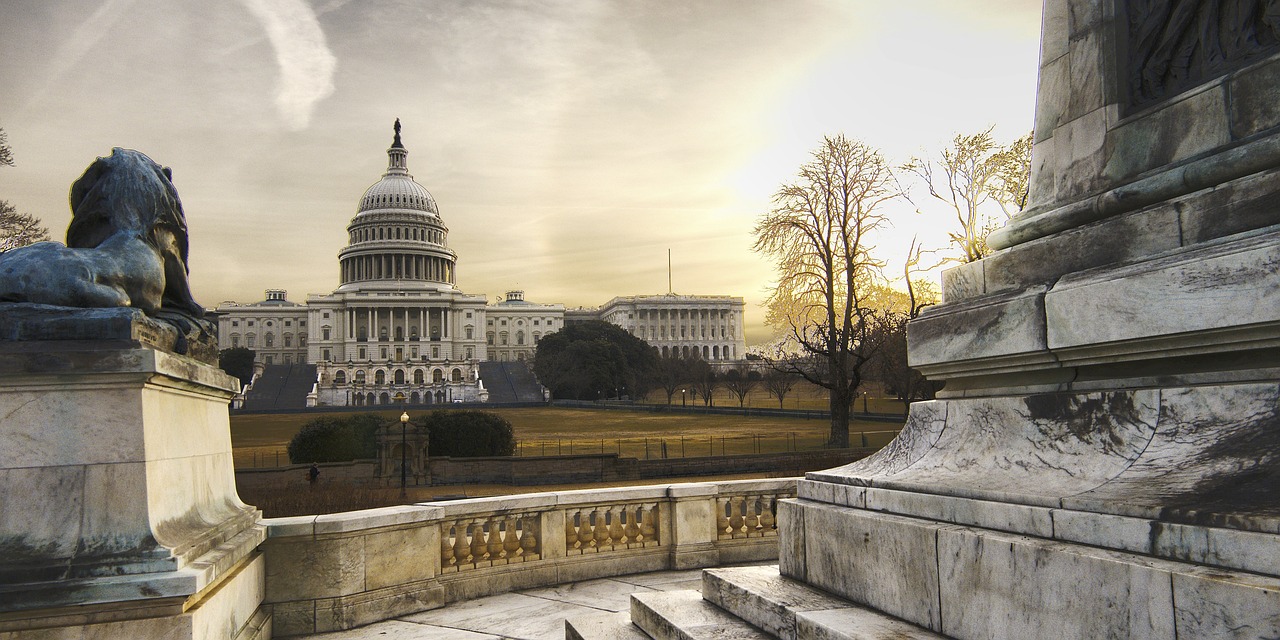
119, 514
1104, 459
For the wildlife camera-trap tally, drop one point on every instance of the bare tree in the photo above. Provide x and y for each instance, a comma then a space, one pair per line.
16, 229
779, 382
819, 237
19, 229
6, 153
971, 175
741, 383
704, 380
671, 374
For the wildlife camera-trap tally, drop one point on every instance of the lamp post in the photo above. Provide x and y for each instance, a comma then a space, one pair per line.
682, 396
404, 425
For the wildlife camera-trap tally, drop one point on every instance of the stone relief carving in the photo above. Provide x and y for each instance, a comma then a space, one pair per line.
1174, 45
126, 247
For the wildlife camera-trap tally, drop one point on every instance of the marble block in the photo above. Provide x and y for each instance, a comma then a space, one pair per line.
120, 499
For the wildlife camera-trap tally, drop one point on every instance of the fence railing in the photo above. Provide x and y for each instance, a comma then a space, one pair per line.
697, 446
338, 571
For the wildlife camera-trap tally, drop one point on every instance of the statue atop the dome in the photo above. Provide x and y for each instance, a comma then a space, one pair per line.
126, 247
397, 141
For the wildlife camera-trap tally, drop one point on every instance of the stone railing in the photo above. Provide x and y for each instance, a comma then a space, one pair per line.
338, 571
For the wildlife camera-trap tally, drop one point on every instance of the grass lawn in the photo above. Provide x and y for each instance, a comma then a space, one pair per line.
260, 440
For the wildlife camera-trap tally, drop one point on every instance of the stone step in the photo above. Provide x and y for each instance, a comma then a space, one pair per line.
790, 609
684, 615
603, 626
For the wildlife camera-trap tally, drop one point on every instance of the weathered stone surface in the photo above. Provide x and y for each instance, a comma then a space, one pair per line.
1216, 287
1214, 459
896, 567
684, 615
763, 597
1255, 99
1003, 586
988, 327
115, 328
1215, 604
917, 437
789, 609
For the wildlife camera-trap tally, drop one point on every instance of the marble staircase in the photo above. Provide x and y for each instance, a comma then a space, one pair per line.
744, 603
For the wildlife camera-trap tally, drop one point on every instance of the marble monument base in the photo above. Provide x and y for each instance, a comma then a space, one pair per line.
1006, 518
119, 515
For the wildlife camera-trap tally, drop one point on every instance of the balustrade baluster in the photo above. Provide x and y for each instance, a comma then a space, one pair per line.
600, 532
736, 507
649, 524
571, 530
477, 542
722, 518
495, 539
633, 523
766, 515
585, 535
530, 547
446, 547
510, 542
753, 516
461, 550
616, 535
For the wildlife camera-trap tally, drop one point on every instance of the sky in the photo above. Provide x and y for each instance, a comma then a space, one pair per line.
569, 144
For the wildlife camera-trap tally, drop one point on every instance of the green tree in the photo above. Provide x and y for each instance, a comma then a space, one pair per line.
16, 229
593, 360
238, 362
819, 237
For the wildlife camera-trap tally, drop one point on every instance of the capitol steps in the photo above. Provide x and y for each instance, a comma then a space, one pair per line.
744, 603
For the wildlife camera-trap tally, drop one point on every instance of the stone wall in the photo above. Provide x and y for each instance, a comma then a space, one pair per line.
343, 570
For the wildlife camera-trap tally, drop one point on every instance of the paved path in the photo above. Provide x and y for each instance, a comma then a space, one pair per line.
533, 614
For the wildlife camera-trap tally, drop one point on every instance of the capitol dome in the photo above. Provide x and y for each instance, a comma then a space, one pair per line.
397, 238
397, 189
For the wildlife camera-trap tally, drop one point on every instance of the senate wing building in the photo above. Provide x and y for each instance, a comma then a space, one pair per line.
397, 329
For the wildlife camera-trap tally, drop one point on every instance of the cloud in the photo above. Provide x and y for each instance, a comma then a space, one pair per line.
306, 64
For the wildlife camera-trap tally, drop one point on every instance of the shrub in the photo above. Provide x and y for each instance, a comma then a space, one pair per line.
333, 439
469, 434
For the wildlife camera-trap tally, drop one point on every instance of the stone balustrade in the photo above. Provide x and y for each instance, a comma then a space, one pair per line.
342, 570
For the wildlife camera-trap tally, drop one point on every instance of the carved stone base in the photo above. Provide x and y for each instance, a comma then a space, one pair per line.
120, 510
1083, 513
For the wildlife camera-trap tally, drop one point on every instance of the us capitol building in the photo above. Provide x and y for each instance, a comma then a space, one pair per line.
398, 329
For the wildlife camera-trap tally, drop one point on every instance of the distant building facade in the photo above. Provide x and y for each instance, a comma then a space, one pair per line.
397, 329
514, 326
707, 327
275, 329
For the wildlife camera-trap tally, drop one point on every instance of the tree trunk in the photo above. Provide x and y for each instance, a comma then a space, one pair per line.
839, 421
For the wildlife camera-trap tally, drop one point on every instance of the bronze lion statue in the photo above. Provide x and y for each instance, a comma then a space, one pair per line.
126, 246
